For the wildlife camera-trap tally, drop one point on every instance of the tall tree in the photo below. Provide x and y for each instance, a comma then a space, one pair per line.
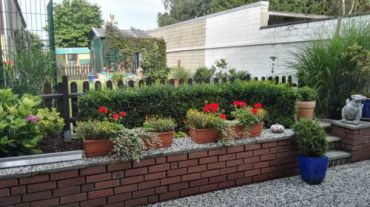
73, 20
180, 10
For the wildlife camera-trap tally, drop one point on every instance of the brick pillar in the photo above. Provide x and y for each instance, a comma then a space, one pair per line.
355, 139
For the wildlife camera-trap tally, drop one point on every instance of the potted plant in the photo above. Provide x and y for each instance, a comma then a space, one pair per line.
312, 145
164, 127
204, 125
251, 119
96, 136
306, 103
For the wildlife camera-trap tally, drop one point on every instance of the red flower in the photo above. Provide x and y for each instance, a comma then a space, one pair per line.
213, 107
116, 116
223, 116
254, 111
122, 114
103, 110
240, 104
258, 105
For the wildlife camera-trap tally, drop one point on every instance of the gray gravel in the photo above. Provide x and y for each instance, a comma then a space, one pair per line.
344, 186
179, 146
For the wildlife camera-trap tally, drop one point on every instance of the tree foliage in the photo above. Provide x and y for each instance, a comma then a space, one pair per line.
180, 10
73, 20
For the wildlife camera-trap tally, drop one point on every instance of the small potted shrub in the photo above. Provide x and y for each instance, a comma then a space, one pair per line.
164, 127
251, 119
306, 103
312, 145
51, 126
96, 136
204, 125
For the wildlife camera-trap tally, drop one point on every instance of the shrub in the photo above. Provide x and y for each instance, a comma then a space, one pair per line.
337, 67
19, 129
159, 124
51, 124
169, 101
306, 94
202, 75
93, 130
159, 73
179, 74
202, 120
310, 138
129, 143
239, 75
248, 115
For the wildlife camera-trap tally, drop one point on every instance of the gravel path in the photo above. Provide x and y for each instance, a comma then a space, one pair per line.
346, 185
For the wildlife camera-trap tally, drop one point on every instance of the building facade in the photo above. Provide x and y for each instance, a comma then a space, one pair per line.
247, 37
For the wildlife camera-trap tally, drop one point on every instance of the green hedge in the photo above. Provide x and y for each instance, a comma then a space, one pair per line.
169, 101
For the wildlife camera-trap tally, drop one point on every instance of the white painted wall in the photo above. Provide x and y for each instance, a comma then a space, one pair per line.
239, 38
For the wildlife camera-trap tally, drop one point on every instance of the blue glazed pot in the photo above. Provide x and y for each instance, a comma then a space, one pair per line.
313, 169
366, 109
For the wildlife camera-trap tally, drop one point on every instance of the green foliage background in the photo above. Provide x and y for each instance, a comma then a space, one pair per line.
152, 50
169, 101
73, 20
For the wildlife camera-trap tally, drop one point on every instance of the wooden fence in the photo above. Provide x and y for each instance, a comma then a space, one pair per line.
76, 72
64, 96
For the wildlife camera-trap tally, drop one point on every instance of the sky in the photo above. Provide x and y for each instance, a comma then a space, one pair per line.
141, 14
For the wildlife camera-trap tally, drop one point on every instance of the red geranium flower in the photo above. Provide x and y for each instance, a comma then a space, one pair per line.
214, 107
116, 116
206, 108
122, 114
258, 105
240, 104
223, 116
254, 111
103, 110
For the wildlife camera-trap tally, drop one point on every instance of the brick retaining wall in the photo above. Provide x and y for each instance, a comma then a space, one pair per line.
355, 141
155, 179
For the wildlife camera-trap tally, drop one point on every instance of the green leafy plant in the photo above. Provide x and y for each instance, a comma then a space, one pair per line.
168, 101
179, 74
19, 129
310, 138
158, 73
203, 74
306, 94
336, 67
156, 124
51, 124
130, 143
202, 120
93, 130
249, 115
239, 75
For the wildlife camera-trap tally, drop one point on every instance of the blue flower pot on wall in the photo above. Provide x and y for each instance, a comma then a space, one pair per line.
313, 169
366, 109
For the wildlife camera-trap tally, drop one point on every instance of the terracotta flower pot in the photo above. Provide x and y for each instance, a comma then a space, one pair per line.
202, 136
239, 132
165, 138
97, 147
255, 130
306, 110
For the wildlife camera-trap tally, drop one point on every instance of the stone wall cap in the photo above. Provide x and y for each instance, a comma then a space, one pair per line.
362, 125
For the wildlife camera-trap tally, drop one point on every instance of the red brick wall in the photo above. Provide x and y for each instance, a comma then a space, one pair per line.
153, 180
357, 142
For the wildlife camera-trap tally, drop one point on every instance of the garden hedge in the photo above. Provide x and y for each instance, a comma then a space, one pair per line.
169, 101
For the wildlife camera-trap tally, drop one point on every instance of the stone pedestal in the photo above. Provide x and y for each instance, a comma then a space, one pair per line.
355, 139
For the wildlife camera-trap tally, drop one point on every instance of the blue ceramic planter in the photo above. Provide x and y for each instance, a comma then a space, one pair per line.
313, 169
366, 109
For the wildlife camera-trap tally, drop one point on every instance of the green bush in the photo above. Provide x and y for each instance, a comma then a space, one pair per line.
201, 120
51, 124
159, 124
19, 129
169, 101
310, 138
179, 74
202, 75
93, 130
337, 67
306, 94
